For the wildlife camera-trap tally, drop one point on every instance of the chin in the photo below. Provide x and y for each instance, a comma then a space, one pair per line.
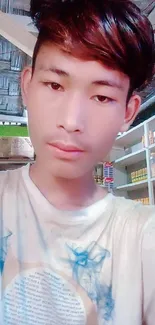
67, 170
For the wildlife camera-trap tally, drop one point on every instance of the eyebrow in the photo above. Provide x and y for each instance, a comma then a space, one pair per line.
59, 72
108, 83
105, 82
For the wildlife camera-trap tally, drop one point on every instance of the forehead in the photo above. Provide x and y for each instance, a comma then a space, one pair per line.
51, 56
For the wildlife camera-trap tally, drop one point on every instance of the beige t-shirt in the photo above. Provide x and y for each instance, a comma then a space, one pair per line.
95, 266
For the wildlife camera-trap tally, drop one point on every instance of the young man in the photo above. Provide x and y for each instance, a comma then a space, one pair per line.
70, 253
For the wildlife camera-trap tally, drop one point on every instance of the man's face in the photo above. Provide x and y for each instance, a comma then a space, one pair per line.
76, 109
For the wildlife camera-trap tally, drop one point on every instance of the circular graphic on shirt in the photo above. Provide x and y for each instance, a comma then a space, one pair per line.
41, 296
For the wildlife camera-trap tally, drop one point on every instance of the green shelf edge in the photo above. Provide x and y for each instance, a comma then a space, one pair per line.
13, 131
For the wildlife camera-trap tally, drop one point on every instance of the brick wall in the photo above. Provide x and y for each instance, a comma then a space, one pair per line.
20, 7
12, 61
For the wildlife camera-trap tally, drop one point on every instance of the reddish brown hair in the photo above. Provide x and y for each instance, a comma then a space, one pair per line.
112, 31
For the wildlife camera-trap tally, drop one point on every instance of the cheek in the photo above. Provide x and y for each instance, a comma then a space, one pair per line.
36, 111
36, 123
103, 130
106, 122
42, 105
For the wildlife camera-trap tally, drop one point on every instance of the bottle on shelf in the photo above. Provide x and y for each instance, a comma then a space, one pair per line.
144, 201
103, 174
151, 137
139, 175
143, 141
152, 160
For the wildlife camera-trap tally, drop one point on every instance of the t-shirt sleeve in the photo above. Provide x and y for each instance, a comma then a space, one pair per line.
148, 266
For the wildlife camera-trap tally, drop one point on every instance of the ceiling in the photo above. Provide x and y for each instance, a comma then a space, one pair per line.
21, 9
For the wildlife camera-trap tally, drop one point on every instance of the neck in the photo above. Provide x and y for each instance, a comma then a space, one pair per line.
66, 194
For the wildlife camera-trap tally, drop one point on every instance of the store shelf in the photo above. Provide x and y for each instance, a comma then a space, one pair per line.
133, 186
152, 147
135, 134
14, 161
151, 123
129, 138
125, 165
153, 180
132, 158
13, 119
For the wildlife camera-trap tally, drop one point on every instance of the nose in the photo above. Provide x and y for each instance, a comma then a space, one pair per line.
71, 114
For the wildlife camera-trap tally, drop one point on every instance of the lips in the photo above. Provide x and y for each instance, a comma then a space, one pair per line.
66, 147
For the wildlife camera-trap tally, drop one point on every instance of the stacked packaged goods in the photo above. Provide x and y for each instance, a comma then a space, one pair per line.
139, 175
104, 174
144, 201
108, 175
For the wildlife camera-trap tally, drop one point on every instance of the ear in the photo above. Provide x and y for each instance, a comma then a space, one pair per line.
132, 110
26, 77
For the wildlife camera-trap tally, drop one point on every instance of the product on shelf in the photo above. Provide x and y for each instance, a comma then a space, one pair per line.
151, 137
144, 201
98, 174
108, 170
152, 160
108, 173
109, 182
99, 180
139, 175
143, 141
104, 174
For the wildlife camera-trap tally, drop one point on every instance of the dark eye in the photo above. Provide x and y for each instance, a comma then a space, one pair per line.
102, 99
54, 86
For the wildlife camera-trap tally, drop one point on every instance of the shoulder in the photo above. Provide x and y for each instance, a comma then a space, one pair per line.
134, 215
9, 191
11, 185
4, 176
8, 180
